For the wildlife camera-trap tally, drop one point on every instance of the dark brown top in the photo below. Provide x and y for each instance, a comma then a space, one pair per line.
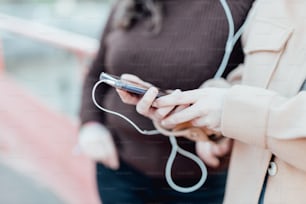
186, 52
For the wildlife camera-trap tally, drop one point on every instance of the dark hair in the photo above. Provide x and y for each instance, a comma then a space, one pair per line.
128, 12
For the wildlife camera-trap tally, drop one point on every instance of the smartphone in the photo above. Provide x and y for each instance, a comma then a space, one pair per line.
118, 83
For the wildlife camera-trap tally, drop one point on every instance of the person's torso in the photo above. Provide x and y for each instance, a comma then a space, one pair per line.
186, 52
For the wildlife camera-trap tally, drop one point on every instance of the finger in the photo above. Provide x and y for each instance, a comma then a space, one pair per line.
112, 160
204, 150
219, 83
201, 122
173, 110
225, 146
110, 156
128, 98
160, 113
144, 106
180, 108
206, 121
185, 115
221, 148
135, 79
211, 120
216, 150
163, 112
177, 98
171, 92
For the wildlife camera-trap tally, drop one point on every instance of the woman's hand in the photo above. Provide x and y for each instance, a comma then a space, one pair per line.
205, 107
144, 103
127, 97
211, 152
96, 142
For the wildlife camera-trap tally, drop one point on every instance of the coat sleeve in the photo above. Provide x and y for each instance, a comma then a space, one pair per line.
264, 118
88, 111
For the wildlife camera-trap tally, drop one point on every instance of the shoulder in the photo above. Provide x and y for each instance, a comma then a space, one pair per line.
273, 20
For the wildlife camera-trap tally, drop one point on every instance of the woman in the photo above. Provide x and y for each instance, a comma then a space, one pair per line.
171, 44
265, 115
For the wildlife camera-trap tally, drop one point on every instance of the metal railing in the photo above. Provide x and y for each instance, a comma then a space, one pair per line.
81, 169
79, 45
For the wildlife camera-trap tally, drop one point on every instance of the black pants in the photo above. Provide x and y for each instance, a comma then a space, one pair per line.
128, 186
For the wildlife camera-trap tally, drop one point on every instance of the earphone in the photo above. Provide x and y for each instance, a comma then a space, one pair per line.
231, 41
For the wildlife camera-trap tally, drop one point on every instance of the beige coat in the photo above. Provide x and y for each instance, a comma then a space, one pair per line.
266, 123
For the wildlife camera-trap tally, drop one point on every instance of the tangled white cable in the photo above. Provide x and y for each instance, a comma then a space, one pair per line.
231, 40
174, 150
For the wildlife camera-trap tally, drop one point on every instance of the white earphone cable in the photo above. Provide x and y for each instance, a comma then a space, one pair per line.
174, 150
144, 132
231, 40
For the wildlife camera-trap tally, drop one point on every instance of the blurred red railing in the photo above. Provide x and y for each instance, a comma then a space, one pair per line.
39, 141
1, 58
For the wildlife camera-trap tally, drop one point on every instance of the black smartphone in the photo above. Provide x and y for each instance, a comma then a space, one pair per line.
118, 83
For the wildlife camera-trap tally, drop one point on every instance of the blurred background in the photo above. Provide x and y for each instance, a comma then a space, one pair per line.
45, 48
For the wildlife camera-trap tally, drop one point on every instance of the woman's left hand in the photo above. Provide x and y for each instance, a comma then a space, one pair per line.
205, 107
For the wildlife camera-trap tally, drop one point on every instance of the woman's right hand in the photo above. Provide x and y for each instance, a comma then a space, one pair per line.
144, 103
96, 142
